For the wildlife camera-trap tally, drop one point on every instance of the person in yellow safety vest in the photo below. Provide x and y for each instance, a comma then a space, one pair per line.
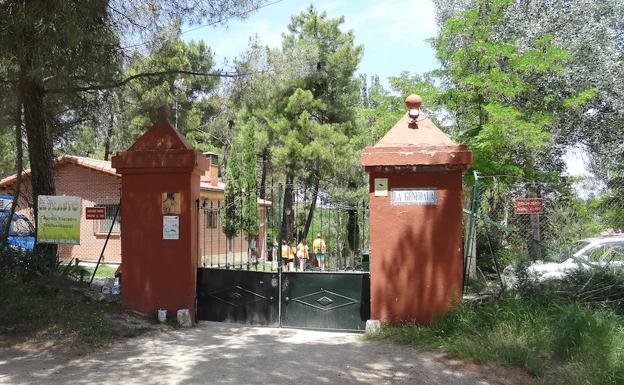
291, 256
286, 251
319, 248
302, 254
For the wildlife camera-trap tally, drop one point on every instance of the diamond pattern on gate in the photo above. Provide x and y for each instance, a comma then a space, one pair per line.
325, 300
236, 296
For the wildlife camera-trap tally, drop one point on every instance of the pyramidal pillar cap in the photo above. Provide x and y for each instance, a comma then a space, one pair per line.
416, 141
161, 146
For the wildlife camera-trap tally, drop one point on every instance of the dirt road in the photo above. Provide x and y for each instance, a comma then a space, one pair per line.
215, 353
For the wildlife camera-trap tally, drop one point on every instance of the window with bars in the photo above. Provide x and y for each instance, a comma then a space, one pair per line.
211, 215
103, 225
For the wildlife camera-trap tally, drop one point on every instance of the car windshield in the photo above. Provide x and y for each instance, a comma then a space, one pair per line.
569, 251
606, 252
577, 246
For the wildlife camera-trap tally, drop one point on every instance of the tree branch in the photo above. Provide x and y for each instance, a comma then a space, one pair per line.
122, 82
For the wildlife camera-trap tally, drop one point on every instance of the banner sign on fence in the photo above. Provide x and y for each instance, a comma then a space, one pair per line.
528, 206
95, 213
58, 219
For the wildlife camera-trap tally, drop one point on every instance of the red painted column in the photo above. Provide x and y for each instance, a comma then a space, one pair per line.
415, 220
159, 272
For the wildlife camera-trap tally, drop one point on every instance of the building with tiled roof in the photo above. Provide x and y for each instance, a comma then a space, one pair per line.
98, 184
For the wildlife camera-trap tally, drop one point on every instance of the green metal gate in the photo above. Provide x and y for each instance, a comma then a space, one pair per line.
319, 300
328, 300
238, 296
251, 280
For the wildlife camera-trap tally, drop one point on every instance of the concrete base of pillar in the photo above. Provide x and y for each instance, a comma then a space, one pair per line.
373, 327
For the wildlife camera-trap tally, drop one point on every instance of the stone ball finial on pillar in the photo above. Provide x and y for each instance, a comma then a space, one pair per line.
163, 113
413, 101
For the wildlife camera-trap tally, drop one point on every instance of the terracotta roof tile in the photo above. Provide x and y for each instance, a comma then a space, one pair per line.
93, 164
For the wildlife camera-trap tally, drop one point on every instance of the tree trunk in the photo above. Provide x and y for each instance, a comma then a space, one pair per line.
286, 231
353, 228
264, 172
227, 145
18, 170
535, 236
315, 191
109, 134
39, 149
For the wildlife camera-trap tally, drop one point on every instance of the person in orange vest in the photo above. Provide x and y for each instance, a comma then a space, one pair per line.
302, 254
291, 256
319, 248
285, 255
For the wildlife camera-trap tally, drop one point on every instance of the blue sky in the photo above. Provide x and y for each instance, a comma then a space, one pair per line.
393, 32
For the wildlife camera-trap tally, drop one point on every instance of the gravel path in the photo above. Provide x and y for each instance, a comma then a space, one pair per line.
217, 353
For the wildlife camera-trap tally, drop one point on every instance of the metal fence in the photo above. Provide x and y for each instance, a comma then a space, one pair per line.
343, 227
509, 219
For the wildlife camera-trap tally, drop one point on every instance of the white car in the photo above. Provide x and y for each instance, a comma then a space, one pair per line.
604, 251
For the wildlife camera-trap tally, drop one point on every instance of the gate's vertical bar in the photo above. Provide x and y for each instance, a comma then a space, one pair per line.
323, 235
279, 292
203, 232
266, 237
212, 223
248, 237
240, 234
295, 230
197, 232
220, 208
279, 227
328, 242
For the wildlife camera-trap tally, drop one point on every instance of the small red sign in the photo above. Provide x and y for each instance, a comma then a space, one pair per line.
528, 206
95, 212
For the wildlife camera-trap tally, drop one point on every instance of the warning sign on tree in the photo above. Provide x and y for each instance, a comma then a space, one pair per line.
528, 206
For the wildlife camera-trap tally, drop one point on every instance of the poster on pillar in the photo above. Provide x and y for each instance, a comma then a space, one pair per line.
171, 227
171, 203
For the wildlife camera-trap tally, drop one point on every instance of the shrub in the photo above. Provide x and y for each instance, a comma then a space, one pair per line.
563, 342
26, 266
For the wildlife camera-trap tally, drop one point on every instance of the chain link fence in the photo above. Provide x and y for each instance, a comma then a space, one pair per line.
516, 220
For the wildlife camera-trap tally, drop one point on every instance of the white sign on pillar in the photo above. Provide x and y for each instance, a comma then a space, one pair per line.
419, 196
171, 227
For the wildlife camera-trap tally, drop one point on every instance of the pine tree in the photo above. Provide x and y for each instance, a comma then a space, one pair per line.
249, 181
230, 214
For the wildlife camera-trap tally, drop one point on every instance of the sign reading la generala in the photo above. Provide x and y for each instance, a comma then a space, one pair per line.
58, 219
419, 196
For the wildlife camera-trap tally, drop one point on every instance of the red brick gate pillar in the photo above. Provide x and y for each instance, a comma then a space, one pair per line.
159, 188
415, 190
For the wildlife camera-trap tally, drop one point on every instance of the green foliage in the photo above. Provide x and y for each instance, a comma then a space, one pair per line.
185, 93
315, 112
230, 214
27, 266
304, 106
47, 310
103, 271
490, 89
602, 287
564, 343
249, 181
